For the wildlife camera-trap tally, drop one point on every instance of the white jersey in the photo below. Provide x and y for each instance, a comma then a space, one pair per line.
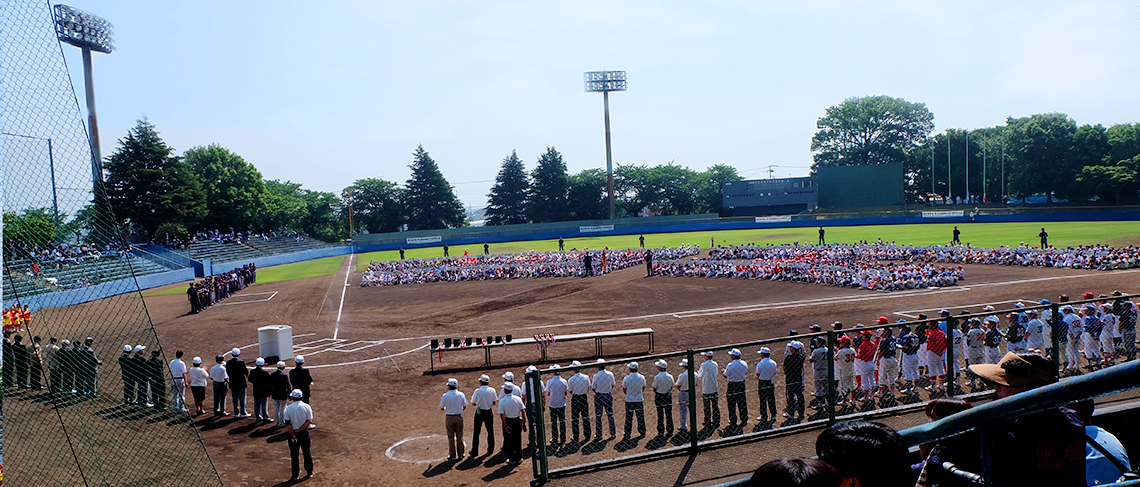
1035, 334
845, 362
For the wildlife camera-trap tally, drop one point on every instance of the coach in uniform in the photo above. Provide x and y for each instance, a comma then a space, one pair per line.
648, 260
484, 399
299, 418
710, 393
221, 379
301, 379
663, 398
555, 391
279, 389
512, 412
238, 373
178, 374
794, 378
603, 386
735, 372
141, 371
579, 385
765, 388
682, 386
633, 385
453, 403
259, 379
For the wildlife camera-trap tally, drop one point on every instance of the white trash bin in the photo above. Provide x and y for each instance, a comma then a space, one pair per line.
276, 342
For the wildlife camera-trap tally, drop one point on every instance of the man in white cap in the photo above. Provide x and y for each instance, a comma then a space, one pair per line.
452, 403
735, 372
555, 391
259, 380
766, 388
279, 389
529, 398
603, 386
633, 385
512, 412
509, 378
125, 367
298, 419
682, 385
141, 375
579, 385
1072, 346
484, 400
710, 393
221, 379
235, 367
179, 375
663, 398
301, 379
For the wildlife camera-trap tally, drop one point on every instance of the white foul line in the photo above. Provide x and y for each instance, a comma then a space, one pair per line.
347, 272
274, 294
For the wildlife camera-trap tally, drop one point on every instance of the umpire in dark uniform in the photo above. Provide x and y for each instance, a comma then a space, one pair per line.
157, 372
301, 379
648, 262
87, 364
126, 368
588, 262
140, 374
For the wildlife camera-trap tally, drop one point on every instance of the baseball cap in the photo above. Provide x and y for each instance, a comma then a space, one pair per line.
259, 361
1066, 308
632, 366
220, 358
296, 394
987, 308
452, 382
531, 368
707, 353
1013, 371
734, 352
575, 363
508, 387
993, 319
1043, 301
484, 379
235, 352
1031, 311
126, 348
684, 362
1019, 305
555, 368
299, 359
944, 312
816, 328
883, 320
197, 360
765, 350
1088, 295
139, 348
600, 361
509, 376
793, 333
89, 339
661, 363
844, 339
280, 364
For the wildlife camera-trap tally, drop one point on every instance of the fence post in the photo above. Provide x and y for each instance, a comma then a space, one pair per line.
831, 393
534, 388
951, 376
693, 436
1054, 316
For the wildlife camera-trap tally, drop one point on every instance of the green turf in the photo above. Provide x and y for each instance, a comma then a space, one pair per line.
1061, 234
178, 289
300, 270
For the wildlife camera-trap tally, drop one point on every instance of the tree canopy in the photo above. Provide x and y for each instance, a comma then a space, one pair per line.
870, 130
507, 202
550, 188
235, 192
376, 205
430, 200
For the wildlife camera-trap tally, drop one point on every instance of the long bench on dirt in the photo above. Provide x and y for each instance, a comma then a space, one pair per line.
439, 351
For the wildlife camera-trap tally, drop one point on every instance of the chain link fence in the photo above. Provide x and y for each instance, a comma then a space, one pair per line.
75, 414
608, 413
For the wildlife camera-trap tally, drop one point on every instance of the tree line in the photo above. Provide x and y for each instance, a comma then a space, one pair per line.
1045, 154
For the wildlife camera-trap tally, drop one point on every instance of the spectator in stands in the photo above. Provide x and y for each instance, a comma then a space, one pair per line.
1105, 458
1045, 448
866, 454
794, 472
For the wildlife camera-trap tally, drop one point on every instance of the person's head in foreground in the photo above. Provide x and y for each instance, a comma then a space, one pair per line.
865, 454
794, 472
1017, 372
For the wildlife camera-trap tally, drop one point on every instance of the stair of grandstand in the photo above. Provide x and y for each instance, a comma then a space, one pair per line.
88, 273
287, 245
223, 251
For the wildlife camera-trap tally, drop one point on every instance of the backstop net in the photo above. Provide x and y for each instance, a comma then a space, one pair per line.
77, 413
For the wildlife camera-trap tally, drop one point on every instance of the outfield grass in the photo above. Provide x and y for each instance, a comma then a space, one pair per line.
285, 272
1061, 234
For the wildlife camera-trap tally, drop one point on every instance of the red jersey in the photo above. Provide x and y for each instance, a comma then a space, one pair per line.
936, 340
866, 350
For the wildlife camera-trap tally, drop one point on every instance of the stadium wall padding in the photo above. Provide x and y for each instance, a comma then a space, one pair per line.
272, 260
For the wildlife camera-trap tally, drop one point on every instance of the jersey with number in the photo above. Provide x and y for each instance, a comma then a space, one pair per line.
1035, 334
975, 339
845, 362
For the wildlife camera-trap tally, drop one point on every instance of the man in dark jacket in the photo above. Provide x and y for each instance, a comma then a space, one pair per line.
141, 375
124, 368
238, 373
157, 378
279, 389
301, 379
259, 379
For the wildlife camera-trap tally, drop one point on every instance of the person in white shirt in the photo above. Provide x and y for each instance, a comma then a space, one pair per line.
1034, 331
484, 400
512, 412
845, 363
298, 418
579, 385
555, 391
178, 382
198, 377
1076, 331
633, 385
735, 372
452, 403
818, 359
603, 386
221, 380
710, 393
509, 377
975, 348
663, 398
1107, 333
682, 385
528, 398
766, 388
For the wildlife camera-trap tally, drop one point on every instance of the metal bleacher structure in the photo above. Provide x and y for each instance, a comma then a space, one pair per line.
253, 248
74, 275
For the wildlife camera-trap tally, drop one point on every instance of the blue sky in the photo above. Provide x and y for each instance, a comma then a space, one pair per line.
324, 93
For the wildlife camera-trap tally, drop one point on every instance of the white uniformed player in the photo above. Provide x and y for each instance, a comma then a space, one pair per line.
603, 386
1034, 331
1076, 331
845, 364
766, 388
818, 359
633, 385
908, 343
710, 394
663, 398
682, 385
484, 399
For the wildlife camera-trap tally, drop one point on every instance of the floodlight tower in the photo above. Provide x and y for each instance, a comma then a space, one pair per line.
605, 82
90, 33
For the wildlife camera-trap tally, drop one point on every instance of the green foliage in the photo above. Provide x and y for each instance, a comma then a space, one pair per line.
171, 230
507, 203
322, 216
285, 209
234, 189
707, 187
1123, 142
870, 130
587, 197
550, 188
430, 202
1105, 181
32, 229
376, 205
148, 186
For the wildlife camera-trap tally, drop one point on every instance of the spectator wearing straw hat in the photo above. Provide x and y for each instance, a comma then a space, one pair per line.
555, 392
453, 403
633, 385
279, 389
766, 388
512, 412
682, 385
484, 399
235, 367
735, 372
663, 398
299, 419
579, 385
603, 386
710, 392
259, 380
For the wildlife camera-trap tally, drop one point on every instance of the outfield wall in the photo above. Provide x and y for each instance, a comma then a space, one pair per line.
209, 268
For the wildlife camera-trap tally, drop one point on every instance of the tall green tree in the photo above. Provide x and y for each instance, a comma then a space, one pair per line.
1108, 181
550, 188
1039, 147
587, 196
148, 186
708, 187
34, 228
285, 209
507, 202
322, 217
1123, 142
234, 189
870, 130
376, 205
430, 202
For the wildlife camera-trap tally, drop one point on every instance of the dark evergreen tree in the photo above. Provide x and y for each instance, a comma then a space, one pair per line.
149, 186
549, 193
507, 202
430, 202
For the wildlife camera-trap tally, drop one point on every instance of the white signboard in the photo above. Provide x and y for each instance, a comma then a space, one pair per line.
424, 240
773, 219
943, 214
596, 228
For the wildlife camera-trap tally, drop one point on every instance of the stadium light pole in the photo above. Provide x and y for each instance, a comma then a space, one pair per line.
90, 33
967, 166
605, 82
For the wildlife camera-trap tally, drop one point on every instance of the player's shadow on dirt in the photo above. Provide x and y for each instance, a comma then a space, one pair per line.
469, 463
244, 429
165, 416
442, 467
627, 444
278, 438
216, 423
595, 446
501, 473
657, 442
262, 433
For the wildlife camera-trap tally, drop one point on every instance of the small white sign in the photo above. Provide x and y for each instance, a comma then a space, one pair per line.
943, 214
424, 240
596, 228
773, 219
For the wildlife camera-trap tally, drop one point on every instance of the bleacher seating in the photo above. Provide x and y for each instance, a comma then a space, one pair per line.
287, 245
74, 276
255, 247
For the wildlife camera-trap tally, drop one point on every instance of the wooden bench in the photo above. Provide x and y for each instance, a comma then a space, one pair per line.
598, 338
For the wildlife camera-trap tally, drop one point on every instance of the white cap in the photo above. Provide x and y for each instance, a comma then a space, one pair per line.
734, 352
575, 363
296, 394
259, 361
632, 365
765, 350
139, 348
126, 348
281, 364
1019, 305
661, 363
197, 360
453, 382
235, 352
299, 359
531, 369
684, 362
991, 319
988, 308
509, 376
707, 354
601, 361
508, 387
484, 379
